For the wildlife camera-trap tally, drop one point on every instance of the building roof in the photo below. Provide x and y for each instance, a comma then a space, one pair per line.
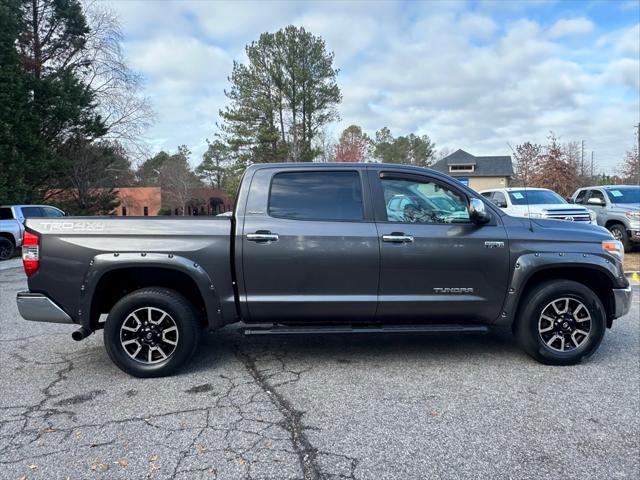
488, 166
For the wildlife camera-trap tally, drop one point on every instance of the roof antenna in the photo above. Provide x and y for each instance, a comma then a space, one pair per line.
526, 193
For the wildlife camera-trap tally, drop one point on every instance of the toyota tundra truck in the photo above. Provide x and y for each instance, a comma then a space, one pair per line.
313, 248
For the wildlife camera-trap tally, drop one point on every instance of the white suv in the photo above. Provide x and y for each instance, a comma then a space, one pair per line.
537, 203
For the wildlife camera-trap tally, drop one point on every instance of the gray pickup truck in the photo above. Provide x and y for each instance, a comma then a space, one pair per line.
617, 208
317, 248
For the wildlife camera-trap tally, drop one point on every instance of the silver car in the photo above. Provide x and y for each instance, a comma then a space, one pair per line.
617, 208
12, 219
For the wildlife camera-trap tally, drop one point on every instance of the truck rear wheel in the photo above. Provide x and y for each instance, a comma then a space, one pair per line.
152, 332
561, 322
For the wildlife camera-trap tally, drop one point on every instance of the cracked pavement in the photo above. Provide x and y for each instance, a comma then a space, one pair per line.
316, 407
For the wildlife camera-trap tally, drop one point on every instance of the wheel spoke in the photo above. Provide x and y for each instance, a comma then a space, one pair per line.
573, 338
129, 342
150, 354
557, 309
159, 349
135, 354
149, 315
159, 321
547, 329
168, 340
552, 339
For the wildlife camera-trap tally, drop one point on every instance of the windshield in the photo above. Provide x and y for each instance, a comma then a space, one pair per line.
624, 195
535, 197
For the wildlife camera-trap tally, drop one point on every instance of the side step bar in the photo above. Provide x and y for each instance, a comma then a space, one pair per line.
316, 330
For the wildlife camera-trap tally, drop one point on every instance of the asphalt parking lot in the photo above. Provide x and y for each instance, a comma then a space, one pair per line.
330, 407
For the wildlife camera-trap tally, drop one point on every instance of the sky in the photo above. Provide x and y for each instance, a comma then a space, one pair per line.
477, 75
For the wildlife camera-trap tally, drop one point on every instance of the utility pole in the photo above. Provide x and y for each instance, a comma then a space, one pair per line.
591, 163
582, 160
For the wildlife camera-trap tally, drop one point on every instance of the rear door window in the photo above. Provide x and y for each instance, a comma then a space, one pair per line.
52, 212
32, 212
330, 196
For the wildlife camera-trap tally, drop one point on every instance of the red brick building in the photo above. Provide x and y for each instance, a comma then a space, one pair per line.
139, 201
143, 201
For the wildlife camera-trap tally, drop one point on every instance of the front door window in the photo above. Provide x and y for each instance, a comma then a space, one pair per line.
413, 201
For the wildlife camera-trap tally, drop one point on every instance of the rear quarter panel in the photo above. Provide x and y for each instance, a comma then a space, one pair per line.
69, 247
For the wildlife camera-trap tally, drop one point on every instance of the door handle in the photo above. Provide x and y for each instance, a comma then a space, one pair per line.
396, 237
262, 236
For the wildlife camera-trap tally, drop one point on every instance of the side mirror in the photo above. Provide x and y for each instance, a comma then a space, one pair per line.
569, 200
478, 212
595, 201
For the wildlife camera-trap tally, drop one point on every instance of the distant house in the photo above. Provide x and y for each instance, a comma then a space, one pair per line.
143, 201
203, 201
138, 201
477, 172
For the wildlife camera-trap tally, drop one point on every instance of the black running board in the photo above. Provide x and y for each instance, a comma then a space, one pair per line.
314, 329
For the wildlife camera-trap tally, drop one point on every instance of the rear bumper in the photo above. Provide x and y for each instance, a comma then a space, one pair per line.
40, 308
622, 301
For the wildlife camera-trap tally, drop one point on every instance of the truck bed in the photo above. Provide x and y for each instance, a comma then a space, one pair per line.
74, 250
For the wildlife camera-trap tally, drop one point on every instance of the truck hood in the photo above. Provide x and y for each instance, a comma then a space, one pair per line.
550, 207
585, 231
625, 207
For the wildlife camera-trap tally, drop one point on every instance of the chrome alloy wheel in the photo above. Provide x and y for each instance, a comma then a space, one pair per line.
149, 335
564, 324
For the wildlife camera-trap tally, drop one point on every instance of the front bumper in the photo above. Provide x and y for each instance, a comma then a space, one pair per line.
622, 301
40, 308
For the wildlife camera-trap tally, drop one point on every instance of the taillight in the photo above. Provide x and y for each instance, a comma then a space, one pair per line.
30, 253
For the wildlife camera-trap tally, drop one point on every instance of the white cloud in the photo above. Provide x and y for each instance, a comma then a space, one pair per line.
179, 58
625, 41
570, 26
469, 78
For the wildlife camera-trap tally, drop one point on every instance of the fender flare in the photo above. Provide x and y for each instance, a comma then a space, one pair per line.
531, 263
107, 262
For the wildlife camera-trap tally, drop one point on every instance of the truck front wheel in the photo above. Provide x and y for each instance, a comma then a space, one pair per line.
561, 322
152, 332
6, 248
619, 232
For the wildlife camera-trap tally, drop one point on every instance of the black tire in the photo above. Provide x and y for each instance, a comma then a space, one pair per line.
619, 232
536, 302
181, 313
7, 248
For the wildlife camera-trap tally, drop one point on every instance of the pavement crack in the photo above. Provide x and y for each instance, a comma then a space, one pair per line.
292, 420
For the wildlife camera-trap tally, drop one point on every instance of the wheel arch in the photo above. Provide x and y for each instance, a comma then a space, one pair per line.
111, 276
612, 222
9, 236
593, 271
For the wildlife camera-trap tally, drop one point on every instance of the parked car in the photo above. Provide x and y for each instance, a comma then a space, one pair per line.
12, 224
316, 248
617, 208
537, 203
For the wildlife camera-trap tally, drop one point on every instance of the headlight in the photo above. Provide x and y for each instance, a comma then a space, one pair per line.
632, 215
614, 247
534, 215
593, 216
